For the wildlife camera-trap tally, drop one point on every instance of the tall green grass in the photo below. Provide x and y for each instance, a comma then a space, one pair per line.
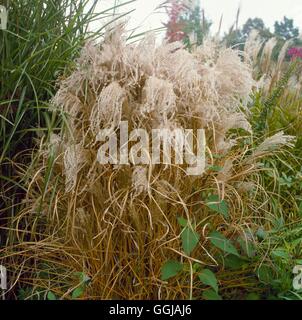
42, 40
280, 249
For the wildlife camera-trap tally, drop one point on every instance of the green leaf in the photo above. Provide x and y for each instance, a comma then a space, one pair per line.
281, 253
234, 262
261, 234
83, 277
196, 267
190, 239
296, 242
217, 205
208, 278
264, 274
78, 292
278, 223
86, 279
247, 247
170, 269
210, 294
51, 296
221, 242
182, 221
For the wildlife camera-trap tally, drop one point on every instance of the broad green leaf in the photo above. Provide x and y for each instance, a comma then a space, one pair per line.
208, 278
234, 262
83, 277
217, 205
182, 221
77, 293
170, 269
221, 242
281, 253
190, 239
264, 274
210, 294
51, 296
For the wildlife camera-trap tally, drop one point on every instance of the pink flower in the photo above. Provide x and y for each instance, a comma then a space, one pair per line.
295, 53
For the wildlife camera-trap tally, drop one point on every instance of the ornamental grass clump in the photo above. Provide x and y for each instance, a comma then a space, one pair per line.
119, 224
